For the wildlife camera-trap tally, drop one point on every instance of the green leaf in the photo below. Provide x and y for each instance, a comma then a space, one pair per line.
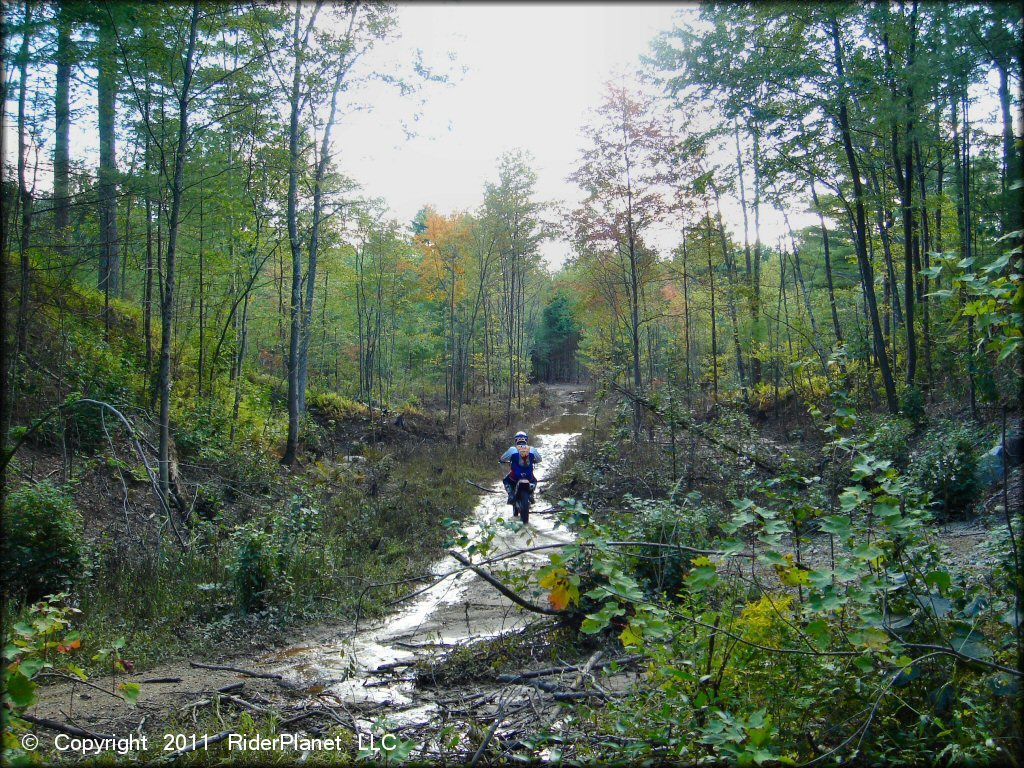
837, 525
867, 551
30, 666
20, 690
77, 672
701, 578
939, 579
130, 691
631, 635
771, 557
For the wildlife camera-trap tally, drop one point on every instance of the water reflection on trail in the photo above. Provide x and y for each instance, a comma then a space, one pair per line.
454, 610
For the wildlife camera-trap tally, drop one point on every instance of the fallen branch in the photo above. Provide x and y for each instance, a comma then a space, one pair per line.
547, 671
562, 695
485, 490
70, 730
245, 704
239, 670
502, 588
498, 717
574, 695
587, 668
162, 680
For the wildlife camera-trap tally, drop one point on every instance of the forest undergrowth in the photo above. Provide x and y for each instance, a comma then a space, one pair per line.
786, 559
336, 537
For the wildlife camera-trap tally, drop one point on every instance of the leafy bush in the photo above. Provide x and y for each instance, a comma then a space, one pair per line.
662, 522
912, 404
890, 439
253, 568
331, 405
42, 549
945, 465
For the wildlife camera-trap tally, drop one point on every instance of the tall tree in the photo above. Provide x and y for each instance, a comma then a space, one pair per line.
316, 80
623, 170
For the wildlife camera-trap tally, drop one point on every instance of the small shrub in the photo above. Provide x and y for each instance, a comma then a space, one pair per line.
912, 404
253, 568
659, 521
890, 439
42, 549
331, 405
945, 465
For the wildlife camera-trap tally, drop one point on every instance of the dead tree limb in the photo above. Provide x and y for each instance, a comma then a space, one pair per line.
485, 490
502, 588
70, 730
239, 670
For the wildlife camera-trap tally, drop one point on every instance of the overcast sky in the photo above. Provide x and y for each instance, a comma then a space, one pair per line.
524, 76
532, 72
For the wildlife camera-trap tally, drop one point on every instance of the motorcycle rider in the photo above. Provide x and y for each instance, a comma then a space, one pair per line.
521, 457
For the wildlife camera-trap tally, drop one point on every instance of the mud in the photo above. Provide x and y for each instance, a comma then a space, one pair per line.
359, 669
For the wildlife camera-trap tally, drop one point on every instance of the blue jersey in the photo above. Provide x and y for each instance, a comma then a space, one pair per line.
513, 451
521, 468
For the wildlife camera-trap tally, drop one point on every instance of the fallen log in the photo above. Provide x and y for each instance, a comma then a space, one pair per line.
548, 671
502, 588
239, 670
70, 730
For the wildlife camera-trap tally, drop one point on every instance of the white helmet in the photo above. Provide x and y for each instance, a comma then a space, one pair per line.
521, 437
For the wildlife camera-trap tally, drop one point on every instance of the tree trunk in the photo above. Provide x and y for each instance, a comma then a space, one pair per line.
836, 328
714, 322
106, 95
61, 149
861, 225
730, 272
294, 310
167, 303
24, 193
1011, 158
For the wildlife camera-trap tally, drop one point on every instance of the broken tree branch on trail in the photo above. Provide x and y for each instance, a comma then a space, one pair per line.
502, 588
239, 670
485, 490
70, 730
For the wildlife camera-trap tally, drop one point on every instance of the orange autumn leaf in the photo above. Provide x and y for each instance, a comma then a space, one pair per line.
563, 591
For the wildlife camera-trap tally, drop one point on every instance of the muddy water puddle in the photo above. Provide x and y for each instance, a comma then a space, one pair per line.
365, 669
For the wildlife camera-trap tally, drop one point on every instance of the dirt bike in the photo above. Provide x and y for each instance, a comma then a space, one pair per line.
521, 501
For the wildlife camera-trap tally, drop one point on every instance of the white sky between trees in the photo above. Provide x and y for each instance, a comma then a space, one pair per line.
532, 71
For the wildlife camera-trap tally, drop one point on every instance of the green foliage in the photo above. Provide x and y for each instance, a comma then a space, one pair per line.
41, 642
867, 613
659, 521
912, 404
254, 567
331, 405
945, 465
42, 548
889, 438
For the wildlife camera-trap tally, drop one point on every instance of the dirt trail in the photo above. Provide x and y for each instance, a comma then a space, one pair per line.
358, 675
363, 670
